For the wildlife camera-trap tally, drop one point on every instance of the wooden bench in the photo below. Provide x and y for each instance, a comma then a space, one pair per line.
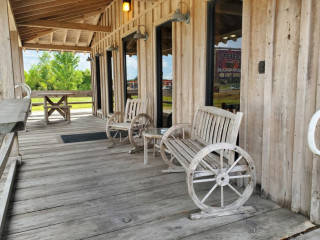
64, 111
207, 154
133, 121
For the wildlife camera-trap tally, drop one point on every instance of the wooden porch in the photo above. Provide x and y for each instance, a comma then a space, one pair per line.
86, 191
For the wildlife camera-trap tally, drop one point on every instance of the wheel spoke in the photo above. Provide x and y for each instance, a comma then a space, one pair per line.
234, 164
204, 180
114, 136
222, 198
209, 193
235, 190
240, 176
172, 157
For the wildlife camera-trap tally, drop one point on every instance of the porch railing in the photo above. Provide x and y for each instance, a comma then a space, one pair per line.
8, 150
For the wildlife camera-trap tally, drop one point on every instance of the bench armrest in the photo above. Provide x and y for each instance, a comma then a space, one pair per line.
174, 128
114, 117
141, 115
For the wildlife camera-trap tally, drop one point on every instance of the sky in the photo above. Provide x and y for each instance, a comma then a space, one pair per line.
132, 67
32, 57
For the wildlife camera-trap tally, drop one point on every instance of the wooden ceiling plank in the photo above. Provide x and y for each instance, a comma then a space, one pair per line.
35, 36
55, 47
150, 1
65, 36
66, 25
78, 35
32, 36
64, 9
26, 3
57, 3
96, 20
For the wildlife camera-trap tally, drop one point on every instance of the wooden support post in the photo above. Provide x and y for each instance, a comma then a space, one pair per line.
6, 71
16, 67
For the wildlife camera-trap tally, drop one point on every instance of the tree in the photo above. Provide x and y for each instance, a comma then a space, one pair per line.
58, 73
86, 80
40, 75
64, 66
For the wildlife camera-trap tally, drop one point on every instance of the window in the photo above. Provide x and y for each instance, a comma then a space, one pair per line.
110, 82
130, 67
164, 75
224, 54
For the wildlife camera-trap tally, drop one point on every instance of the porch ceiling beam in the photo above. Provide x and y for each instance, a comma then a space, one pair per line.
56, 47
66, 25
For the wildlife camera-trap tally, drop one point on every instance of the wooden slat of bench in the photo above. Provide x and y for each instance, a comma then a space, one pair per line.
192, 150
211, 158
178, 155
185, 150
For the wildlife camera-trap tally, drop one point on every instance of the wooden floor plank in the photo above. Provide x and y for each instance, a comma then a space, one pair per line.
86, 191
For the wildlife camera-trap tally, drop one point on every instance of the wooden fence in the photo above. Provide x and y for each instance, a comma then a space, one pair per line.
76, 93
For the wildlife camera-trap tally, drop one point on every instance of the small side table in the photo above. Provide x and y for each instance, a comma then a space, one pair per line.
156, 135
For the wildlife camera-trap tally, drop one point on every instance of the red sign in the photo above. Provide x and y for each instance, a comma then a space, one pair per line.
228, 65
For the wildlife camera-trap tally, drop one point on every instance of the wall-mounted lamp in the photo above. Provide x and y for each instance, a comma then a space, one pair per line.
89, 59
126, 5
98, 54
139, 35
179, 17
113, 47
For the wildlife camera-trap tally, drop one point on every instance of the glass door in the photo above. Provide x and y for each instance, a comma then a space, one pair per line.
130, 68
110, 82
224, 54
164, 75
98, 84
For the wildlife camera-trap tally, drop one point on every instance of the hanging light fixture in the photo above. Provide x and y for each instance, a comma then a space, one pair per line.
98, 53
89, 59
126, 5
180, 17
139, 35
113, 47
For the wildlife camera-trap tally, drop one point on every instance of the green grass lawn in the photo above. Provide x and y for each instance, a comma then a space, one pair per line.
70, 99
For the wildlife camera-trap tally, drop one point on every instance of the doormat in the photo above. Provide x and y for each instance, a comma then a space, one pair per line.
84, 137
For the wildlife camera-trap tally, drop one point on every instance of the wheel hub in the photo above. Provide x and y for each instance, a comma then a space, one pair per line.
223, 179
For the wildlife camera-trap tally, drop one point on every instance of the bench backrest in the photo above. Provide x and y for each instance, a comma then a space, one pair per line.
135, 107
215, 125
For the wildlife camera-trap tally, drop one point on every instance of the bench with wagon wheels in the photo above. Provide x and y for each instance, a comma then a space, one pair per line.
207, 152
128, 126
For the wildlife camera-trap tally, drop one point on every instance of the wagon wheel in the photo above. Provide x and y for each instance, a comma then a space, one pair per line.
114, 134
222, 176
175, 132
139, 124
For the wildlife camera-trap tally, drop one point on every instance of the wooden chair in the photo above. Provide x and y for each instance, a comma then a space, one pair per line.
208, 158
133, 122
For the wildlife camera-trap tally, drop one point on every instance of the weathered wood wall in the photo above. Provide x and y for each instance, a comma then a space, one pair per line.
188, 57
277, 105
